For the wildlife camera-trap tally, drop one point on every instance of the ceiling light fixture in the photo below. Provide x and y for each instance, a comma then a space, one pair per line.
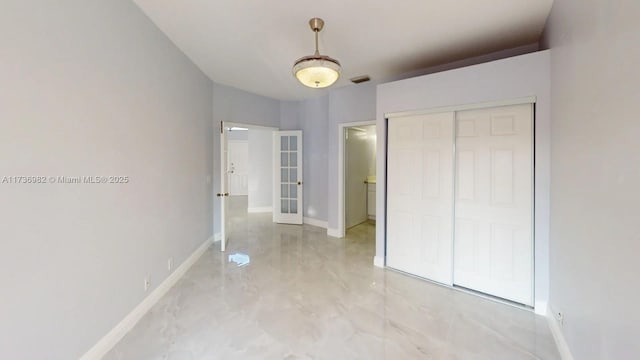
316, 71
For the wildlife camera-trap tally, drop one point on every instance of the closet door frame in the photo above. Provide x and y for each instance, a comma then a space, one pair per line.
458, 108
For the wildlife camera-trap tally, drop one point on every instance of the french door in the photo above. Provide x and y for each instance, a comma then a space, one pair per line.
460, 199
287, 192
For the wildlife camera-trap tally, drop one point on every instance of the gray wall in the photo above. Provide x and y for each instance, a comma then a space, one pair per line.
347, 104
290, 115
237, 106
260, 168
311, 116
595, 239
313, 123
318, 118
94, 88
512, 78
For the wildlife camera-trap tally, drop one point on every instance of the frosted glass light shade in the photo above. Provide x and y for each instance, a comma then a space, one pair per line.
317, 71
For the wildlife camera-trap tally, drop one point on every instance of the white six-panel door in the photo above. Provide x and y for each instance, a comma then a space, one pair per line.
420, 195
493, 250
481, 238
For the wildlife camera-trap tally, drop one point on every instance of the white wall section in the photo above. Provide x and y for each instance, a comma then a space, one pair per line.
93, 88
260, 169
595, 239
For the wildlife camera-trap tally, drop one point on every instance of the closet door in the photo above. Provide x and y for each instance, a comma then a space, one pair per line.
420, 195
493, 245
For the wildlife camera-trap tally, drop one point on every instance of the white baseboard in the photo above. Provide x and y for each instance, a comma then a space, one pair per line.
558, 336
540, 308
217, 237
378, 261
315, 222
334, 233
119, 331
264, 209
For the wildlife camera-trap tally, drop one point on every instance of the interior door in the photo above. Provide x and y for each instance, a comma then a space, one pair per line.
420, 195
493, 203
224, 187
356, 172
287, 192
238, 167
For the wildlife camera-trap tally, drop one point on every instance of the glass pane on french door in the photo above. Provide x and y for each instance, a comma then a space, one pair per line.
289, 174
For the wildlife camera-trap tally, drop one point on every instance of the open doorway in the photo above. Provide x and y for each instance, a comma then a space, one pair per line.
357, 155
250, 170
247, 173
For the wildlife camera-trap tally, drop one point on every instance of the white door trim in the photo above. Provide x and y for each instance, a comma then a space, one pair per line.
224, 186
250, 126
341, 179
225, 125
456, 108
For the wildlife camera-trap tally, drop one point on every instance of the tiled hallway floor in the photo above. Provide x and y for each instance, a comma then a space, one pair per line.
308, 296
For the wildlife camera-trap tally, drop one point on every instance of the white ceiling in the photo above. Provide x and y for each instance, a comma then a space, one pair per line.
252, 44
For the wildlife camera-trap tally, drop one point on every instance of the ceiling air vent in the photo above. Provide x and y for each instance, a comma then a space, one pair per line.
360, 79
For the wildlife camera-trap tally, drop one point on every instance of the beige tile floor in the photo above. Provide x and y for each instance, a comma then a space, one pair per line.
308, 296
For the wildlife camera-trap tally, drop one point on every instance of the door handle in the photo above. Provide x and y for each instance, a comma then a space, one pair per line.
299, 183
226, 194
219, 194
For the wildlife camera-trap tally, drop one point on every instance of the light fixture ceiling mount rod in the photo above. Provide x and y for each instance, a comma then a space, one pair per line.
316, 25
